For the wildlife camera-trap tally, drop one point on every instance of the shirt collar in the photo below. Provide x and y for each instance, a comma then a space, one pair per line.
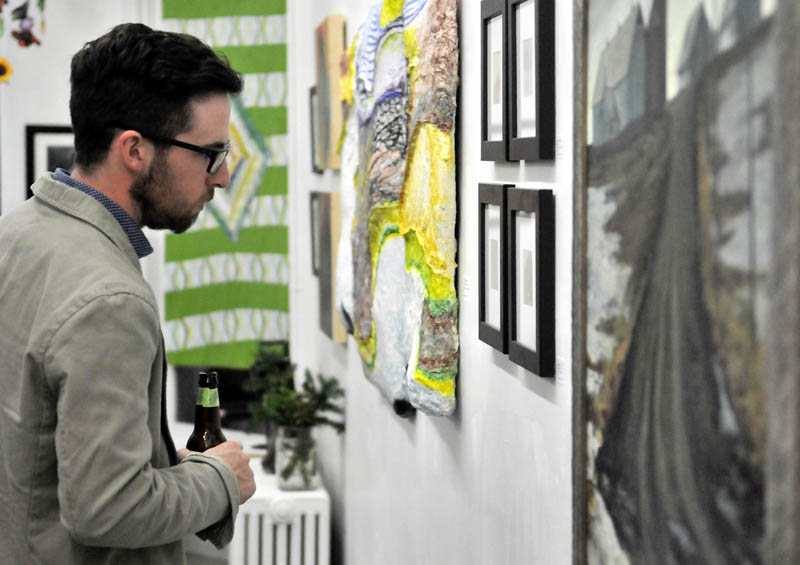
135, 235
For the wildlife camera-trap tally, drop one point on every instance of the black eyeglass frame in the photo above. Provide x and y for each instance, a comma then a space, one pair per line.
215, 156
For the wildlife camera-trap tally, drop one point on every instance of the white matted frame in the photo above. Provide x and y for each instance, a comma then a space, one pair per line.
494, 81
493, 304
530, 220
531, 80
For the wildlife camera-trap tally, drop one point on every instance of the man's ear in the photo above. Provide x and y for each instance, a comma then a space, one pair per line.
133, 151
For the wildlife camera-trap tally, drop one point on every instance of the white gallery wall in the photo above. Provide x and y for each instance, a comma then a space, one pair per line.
490, 485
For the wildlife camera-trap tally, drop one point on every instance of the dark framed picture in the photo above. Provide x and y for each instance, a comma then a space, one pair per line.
46, 149
313, 112
315, 219
492, 233
494, 125
530, 220
325, 237
531, 79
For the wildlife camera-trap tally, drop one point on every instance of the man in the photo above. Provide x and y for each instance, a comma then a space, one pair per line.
88, 471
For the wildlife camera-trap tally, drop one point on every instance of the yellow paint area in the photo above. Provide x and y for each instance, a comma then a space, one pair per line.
427, 205
437, 286
390, 11
446, 387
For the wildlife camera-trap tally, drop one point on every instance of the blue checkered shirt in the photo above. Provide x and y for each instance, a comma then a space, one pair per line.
132, 230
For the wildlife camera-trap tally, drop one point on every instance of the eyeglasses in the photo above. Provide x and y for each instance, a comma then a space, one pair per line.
216, 157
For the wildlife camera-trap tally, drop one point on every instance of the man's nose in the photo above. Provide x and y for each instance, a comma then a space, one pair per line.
222, 178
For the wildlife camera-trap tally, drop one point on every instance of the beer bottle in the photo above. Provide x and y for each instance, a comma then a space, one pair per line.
207, 429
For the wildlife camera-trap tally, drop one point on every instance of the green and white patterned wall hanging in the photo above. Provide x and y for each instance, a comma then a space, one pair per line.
227, 278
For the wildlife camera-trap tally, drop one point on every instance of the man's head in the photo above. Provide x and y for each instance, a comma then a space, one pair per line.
173, 190
141, 79
135, 88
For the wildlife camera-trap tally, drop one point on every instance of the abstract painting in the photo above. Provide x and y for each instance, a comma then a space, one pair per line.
677, 199
399, 199
330, 45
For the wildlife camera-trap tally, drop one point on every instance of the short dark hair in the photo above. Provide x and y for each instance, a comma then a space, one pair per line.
142, 79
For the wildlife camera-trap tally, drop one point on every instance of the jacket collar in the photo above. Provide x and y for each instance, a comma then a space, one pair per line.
86, 208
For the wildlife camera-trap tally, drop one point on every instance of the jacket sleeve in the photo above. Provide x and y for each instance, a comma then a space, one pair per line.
98, 363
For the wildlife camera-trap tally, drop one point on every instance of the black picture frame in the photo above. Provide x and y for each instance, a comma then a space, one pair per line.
494, 149
47, 147
313, 114
531, 286
314, 204
538, 86
493, 275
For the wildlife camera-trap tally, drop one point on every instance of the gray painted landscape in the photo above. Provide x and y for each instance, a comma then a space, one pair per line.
680, 185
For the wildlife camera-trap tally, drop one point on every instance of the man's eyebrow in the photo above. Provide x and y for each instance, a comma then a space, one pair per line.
217, 144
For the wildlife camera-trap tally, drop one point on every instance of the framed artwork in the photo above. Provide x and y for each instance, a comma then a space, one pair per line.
313, 112
531, 79
314, 204
327, 221
330, 45
494, 125
530, 220
492, 233
46, 149
677, 284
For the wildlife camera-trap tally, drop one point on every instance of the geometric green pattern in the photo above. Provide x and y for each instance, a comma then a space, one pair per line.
223, 267
222, 296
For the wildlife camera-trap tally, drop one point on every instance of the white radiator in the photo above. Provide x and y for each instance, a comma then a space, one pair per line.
282, 528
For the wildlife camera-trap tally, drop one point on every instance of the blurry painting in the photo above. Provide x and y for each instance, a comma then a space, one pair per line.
679, 186
330, 45
326, 216
399, 202
316, 148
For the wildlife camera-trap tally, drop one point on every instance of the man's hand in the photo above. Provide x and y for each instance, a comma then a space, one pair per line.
231, 452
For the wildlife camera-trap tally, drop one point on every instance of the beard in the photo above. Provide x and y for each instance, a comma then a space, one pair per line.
160, 207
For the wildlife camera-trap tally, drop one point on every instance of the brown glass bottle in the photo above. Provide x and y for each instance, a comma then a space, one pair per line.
207, 431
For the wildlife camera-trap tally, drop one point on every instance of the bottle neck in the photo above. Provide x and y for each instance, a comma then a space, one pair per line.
206, 413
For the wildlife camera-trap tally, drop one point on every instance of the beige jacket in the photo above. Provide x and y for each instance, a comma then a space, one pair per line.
86, 473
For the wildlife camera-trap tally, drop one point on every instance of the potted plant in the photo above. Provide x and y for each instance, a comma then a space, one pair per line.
297, 413
271, 371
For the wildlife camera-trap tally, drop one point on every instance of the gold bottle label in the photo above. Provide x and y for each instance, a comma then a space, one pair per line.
208, 397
